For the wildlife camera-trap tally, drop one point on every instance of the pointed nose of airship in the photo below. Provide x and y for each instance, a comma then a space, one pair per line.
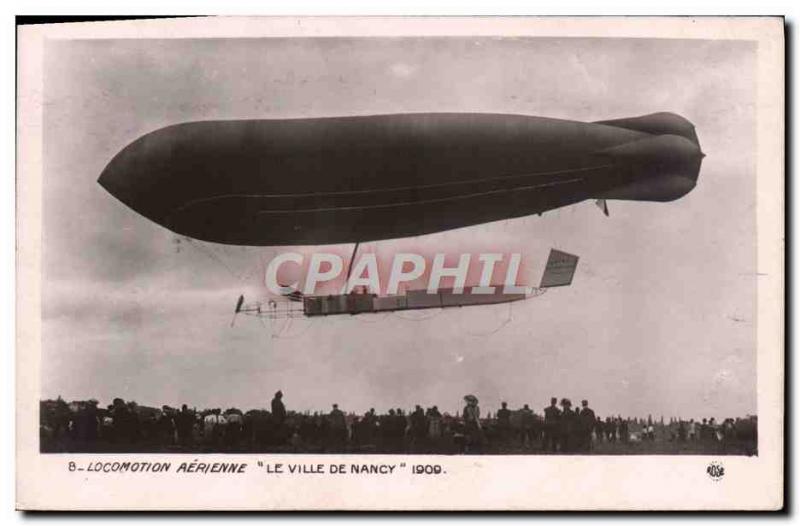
139, 176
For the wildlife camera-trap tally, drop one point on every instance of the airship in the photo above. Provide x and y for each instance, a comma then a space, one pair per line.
352, 179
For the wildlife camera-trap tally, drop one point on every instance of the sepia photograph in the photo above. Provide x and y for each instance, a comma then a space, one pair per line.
274, 249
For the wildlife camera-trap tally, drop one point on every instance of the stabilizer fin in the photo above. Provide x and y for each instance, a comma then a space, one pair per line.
559, 270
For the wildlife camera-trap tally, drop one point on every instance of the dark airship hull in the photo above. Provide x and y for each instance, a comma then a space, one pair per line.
349, 179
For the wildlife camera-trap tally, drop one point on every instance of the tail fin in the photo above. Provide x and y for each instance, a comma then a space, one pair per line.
559, 270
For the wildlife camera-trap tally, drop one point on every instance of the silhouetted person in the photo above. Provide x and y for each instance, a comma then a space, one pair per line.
552, 419
503, 422
419, 427
568, 426
167, 426
434, 424
400, 424
526, 426
369, 426
681, 431
387, 431
184, 423
87, 422
123, 421
587, 423
610, 430
472, 424
278, 409
214, 427
338, 427
234, 423
278, 418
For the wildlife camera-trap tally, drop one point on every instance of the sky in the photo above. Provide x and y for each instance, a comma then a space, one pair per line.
660, 318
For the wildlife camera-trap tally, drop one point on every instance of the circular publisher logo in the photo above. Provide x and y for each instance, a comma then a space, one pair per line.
716, 471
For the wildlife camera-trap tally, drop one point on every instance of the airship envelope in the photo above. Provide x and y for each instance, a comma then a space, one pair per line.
349, 179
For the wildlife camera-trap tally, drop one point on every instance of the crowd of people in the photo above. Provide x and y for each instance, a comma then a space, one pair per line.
84, 426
